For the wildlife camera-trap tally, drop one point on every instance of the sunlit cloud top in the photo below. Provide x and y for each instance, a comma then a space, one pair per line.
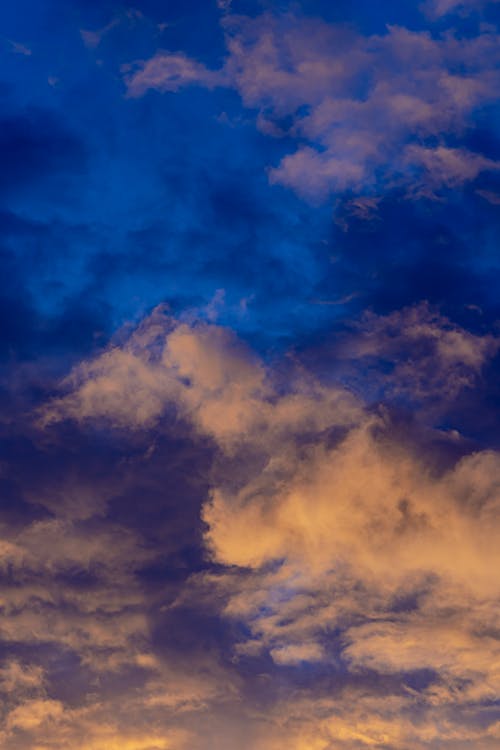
250, 346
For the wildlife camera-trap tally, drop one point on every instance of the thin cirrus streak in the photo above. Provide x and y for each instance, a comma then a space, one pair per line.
249, 352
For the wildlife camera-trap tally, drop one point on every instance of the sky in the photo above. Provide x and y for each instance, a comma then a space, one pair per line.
249, 375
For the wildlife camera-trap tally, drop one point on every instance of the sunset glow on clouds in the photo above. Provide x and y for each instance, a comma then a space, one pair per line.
379, 108
250, 456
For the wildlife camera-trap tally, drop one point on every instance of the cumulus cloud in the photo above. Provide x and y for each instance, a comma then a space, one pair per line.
370, 113
206, 376
364, 543
336, 540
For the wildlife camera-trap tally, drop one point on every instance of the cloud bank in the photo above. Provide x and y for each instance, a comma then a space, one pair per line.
338, 542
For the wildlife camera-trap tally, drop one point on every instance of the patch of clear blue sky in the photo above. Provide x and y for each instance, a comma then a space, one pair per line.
166, 198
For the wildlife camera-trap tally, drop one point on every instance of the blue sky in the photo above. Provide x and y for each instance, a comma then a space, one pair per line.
249, 336
133, 201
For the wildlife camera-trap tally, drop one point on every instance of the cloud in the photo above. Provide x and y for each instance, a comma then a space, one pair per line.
297, 653
17, 678
92, 39
449, 167
438, 8
383, 506
203, 371
336, 541
32, 714
490, 196
73, 585
20, 49
202, 547
49, 725
365, 544
169, 72
365, 111
415, 354
356, 720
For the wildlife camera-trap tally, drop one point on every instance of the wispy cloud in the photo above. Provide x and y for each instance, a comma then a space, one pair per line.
93, 38
20, 49
438, 8
169, 72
